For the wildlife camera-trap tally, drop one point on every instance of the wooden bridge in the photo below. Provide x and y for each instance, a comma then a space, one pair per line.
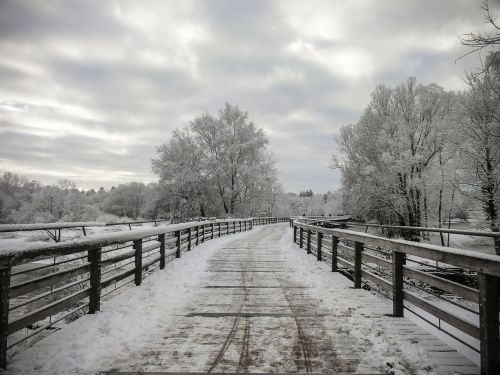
261, 304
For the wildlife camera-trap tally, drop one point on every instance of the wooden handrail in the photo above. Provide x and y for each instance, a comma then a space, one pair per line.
136, 250
487, 267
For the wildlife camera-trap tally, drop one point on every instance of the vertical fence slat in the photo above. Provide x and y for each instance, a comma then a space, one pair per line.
94, 257
397, 283
138, 262
309, 241
178, 244
161, 240
319, 255
488, 324
4, 314
335, 243
213, 230
189, 239
301, 239
358, 248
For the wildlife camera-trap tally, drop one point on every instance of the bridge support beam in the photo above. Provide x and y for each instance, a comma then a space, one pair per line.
138, 262
178, 242
4, 314
358, 249
398, 260
161, 240
319, 256
335, 242
94, 258
488, 324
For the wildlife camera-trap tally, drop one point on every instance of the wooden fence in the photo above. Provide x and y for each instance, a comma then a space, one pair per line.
74, 276
383, 261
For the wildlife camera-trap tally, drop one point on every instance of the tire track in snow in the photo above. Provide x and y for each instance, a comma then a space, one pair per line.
234, 328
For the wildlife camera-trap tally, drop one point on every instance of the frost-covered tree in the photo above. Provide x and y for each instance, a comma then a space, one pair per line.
386, 157
218, 165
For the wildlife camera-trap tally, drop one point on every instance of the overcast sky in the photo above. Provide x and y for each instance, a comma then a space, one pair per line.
88, 89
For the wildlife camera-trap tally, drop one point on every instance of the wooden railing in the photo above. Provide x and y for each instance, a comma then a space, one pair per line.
85, 225
386, 263
74, 276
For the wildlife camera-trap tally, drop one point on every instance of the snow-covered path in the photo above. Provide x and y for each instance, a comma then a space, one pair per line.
253, 302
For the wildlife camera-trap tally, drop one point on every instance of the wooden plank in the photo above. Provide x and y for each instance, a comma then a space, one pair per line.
455, 321
368, 258
138, 262
397, 284
358, 249
47, 310
475, 261
446, 285
4, 314
115, 278
47, 280
319, 257
117, 258
335, 242
178, 242
94, 258
150, 247
381, 282
488, 324
308, 241
161, 239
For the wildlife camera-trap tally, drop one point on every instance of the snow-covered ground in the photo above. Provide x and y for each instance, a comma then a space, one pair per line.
125, 323
355, 326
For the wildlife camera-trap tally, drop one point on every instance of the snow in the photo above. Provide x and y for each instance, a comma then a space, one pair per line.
43, 226
102, 239
121, 327
390, 356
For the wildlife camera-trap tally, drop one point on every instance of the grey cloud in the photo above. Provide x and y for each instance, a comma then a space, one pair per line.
240, 54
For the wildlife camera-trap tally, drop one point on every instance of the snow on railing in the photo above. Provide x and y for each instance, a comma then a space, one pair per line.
42, 284
395, 267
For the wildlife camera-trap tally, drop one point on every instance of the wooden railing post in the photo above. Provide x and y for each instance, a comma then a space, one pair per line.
203, 233
220, 231
4, 314
138, 262
309, 241
335, 243
358, 249
178, 243
161, 240
94, 258
197, 235
294, 234
301, 237
240, 225
189, 239
397, 284
319, 256
213, 229
488, 324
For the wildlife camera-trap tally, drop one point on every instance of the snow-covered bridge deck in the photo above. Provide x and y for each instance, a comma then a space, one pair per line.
250, 302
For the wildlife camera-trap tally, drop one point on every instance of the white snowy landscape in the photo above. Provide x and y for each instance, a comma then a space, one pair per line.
264, 186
